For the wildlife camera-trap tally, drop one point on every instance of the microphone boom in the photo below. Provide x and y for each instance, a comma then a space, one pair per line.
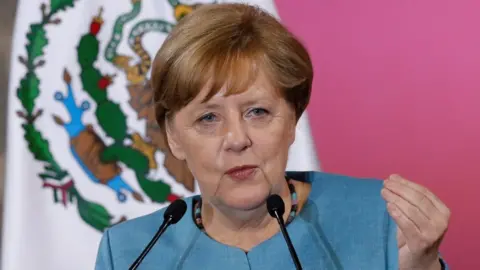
276, 208
172, 215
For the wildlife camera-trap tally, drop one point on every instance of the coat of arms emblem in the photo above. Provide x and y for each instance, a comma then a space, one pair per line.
108, 152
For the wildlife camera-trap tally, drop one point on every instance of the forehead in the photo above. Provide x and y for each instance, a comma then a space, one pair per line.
260, 88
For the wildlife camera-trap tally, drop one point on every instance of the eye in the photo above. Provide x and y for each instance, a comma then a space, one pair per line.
257, 112
209, 117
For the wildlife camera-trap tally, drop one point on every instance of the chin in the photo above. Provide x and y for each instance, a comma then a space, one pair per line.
246, 199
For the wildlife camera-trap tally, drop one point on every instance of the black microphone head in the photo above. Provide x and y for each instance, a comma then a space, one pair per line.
275, 204
175, 211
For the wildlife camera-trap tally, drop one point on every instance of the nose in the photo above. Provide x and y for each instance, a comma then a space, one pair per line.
236, 137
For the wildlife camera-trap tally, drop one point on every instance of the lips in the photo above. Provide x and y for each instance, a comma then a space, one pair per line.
242, 172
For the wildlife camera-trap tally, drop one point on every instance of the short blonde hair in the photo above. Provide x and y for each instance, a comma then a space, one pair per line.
225, 45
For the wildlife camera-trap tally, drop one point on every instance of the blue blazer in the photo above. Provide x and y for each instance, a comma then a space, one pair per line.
343, 225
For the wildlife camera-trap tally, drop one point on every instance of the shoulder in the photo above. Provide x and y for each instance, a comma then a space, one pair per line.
351, 195
344, 198
348, 212
340, 187
345, 186
136, 227
122, 243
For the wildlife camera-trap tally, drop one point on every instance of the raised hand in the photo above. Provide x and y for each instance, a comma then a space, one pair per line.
422, 221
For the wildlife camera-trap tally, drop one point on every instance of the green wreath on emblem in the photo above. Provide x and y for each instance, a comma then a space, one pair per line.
100, 162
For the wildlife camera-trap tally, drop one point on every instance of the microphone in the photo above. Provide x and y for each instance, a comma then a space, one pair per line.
276, 209
172, 215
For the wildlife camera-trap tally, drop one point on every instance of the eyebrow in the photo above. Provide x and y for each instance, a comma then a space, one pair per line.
214, 105
210, 106
205, 106
254, 101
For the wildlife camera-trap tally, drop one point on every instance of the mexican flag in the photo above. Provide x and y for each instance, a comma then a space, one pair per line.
84, 151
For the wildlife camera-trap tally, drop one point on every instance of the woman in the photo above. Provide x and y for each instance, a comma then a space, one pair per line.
230, 84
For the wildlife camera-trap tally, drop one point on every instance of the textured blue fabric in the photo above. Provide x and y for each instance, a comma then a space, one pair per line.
343, 225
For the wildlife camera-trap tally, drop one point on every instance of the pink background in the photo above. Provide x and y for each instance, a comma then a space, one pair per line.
397, 90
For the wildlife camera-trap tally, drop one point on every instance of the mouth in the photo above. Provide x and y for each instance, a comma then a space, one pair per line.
242, 172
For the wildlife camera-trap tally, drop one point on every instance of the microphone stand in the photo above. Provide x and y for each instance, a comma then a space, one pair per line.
293, 253
161, 230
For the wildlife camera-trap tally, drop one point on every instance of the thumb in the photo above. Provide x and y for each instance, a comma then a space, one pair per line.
401, 239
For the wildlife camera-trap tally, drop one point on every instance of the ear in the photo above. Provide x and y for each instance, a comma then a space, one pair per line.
292, 134
292, 127
174, 141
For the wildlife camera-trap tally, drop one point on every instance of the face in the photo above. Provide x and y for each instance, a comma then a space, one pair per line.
235, 146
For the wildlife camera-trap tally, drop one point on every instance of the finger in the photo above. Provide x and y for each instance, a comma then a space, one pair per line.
405, 225
432, 197
416, 241
420, 200
401, 241
439, 221
413, 213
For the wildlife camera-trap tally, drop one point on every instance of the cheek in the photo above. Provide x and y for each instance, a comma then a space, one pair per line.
201, 153
201, 158
273, 141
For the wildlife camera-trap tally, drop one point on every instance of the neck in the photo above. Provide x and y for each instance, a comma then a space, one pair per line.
241, 228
